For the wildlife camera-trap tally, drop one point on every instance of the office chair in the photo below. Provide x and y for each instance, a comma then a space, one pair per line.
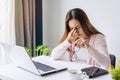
112, 59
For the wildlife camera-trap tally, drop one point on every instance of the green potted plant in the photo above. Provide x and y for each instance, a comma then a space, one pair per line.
40, 50
29, 51
44, 50
115, 72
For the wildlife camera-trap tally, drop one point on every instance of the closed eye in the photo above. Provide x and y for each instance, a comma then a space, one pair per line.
78, 27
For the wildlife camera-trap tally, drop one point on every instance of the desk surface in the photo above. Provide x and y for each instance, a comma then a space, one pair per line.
14, 73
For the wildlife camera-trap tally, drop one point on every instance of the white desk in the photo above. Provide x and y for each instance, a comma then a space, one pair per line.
15, 73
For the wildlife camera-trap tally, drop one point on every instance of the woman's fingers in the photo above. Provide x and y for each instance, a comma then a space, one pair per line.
71, 36
73, 32
80, 42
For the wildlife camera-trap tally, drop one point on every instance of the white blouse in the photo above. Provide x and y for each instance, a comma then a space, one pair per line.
96, 54
82, 55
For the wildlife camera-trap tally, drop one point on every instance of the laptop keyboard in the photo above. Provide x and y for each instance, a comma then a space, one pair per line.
43, 67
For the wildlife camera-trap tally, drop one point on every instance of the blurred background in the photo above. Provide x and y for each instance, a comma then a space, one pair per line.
31, 23
103, 14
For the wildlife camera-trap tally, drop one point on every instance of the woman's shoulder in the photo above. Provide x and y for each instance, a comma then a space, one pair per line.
98, 36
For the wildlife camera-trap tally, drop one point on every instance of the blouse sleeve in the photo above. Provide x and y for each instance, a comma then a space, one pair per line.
60, 52
99, 52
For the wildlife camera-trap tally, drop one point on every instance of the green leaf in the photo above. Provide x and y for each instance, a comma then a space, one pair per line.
29, 51
116, 72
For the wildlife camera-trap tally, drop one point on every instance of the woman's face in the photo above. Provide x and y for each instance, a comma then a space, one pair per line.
75, 24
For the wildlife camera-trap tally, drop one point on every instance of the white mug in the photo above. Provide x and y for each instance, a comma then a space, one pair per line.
77, 74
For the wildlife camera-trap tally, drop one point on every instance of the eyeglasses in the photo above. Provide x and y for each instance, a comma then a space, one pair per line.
75, 50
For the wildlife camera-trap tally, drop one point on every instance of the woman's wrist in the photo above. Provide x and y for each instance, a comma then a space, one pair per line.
66, 43
69, 41
70, 56
88, 46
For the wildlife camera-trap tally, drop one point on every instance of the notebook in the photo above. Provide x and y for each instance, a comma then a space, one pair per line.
24, 61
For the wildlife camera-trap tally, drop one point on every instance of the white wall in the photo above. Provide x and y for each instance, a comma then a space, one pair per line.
103, 14
51, 22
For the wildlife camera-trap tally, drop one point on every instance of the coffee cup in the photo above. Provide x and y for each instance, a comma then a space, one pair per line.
77, 74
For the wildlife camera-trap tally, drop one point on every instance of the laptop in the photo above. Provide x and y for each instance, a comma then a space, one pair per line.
22, 60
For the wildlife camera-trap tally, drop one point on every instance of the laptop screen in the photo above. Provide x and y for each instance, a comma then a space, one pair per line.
22, 59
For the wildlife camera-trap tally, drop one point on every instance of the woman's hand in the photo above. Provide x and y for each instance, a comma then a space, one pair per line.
81, 43
72, 35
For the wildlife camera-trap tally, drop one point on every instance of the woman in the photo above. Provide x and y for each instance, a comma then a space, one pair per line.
82, 42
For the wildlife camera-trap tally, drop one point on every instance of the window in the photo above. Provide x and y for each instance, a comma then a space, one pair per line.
0, 16
7, 21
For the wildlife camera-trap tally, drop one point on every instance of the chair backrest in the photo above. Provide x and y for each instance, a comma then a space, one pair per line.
112, 59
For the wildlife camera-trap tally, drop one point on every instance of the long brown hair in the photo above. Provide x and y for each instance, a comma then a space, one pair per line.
81, 16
